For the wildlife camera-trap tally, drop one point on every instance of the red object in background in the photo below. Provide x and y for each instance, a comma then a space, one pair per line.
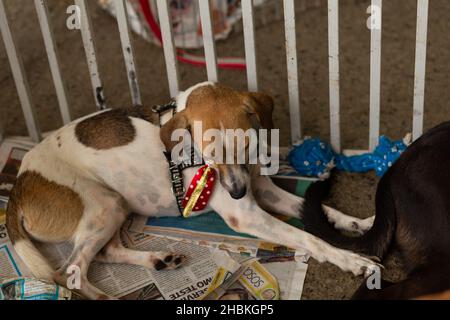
223, 63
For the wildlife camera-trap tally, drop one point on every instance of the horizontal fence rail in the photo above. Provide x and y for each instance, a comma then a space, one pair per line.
207, 23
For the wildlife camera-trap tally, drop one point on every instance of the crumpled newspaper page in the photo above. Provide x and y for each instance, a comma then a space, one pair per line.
191, 282
32, 289
11, 154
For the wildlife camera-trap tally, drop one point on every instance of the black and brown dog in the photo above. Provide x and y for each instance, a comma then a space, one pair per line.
412, 212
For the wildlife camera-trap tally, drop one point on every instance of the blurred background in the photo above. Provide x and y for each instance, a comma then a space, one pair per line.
399, 23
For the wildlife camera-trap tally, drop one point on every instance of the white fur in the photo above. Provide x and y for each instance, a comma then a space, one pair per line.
287, 204
184, 96
251, 219
34, 260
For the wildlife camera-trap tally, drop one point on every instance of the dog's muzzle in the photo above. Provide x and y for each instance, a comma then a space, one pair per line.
234, 180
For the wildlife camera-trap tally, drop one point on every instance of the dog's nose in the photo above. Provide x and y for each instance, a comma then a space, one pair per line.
233, 179
238, 193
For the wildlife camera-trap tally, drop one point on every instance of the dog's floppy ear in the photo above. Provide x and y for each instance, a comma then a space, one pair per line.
261, 106
179, 121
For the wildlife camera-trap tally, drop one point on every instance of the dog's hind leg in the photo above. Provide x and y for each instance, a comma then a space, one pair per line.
115, 252
104, 213
274, 199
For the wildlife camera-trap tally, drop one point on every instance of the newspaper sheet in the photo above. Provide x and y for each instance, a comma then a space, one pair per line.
210, 230
24, 288
190, 282
11, 266
134, 282
15, 278
11, 154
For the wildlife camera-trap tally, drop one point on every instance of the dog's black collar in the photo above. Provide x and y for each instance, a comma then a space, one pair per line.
176, 170
176, 176
161, 109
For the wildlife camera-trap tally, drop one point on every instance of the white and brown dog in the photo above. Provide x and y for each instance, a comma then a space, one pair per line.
82, 182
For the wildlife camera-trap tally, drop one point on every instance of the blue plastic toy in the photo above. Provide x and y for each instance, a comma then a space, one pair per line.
315, 158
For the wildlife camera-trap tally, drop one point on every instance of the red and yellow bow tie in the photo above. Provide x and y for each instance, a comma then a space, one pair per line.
199, 191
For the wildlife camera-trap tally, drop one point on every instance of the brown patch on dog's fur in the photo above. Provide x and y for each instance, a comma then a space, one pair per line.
219, 106
179, 121
113, 128
14, 222
48, 211
234, 222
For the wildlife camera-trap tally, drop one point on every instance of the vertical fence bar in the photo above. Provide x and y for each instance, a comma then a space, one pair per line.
292, 69
375, 73
248, 18
209, 41
128, 51
333, 52
53, 59
420, 69
182, 25
169, 47
196, 9
19, 76
91, 56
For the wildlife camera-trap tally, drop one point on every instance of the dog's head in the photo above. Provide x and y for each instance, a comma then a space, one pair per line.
221, 108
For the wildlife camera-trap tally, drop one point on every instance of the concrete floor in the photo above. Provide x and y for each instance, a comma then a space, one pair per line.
352, 193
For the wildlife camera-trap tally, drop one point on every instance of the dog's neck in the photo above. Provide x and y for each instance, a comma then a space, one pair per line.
176, 175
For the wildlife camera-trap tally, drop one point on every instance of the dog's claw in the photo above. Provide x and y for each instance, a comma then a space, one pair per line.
373, 258
368, 271
367, 266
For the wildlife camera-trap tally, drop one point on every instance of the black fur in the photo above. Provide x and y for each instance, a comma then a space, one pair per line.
412, 212
374, 243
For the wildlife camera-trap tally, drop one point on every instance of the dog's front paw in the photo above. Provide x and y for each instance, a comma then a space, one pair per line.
354, 263
360, 265
168, 261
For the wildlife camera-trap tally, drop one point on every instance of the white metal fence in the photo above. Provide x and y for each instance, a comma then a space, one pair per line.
211, 61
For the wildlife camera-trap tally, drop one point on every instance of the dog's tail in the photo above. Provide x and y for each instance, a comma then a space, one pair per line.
374, 243
27, 251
